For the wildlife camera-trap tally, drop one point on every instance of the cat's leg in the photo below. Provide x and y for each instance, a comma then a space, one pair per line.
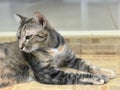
14, 76
7, 76
9, 79
81, 64
5, 83
55, 76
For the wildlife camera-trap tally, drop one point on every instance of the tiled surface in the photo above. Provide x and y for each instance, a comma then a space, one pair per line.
94, 45
64, 14
106, 61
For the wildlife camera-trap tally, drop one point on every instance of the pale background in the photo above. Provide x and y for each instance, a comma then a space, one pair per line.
68, 15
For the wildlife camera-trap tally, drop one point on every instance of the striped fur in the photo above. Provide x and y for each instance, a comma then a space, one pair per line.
13, 66
50, 53
39, 53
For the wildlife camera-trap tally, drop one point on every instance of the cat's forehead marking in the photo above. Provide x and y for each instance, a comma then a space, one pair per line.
33, 30
30, 32
22, 32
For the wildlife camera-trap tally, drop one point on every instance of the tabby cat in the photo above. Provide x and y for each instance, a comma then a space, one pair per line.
39, 54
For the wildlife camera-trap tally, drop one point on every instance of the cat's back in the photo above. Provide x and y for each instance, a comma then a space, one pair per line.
11, 55
13, 65
9, 50
9, 45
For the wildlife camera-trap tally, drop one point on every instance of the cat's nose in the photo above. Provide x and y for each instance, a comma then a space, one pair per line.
21, 46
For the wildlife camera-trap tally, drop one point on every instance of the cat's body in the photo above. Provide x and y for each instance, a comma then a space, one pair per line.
42, 52
13, 66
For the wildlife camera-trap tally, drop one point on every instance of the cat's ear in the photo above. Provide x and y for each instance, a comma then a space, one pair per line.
19, 18
40, 19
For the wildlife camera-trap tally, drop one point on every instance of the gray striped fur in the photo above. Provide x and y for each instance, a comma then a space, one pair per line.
39, 53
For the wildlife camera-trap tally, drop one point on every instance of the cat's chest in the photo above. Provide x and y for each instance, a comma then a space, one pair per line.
56, 56
56, 52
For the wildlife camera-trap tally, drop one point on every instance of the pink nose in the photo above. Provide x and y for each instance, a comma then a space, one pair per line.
21, 46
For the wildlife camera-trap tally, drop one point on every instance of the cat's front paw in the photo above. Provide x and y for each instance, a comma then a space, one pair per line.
108, 73
101, 80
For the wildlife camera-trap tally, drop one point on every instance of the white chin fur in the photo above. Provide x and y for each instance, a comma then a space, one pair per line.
27, 51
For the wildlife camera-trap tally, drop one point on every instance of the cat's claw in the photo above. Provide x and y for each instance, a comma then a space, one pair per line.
108, 73
101, 80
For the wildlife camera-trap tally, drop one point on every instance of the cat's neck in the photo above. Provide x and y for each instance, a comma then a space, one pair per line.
58, 50
49, 51
56, 45
55, 39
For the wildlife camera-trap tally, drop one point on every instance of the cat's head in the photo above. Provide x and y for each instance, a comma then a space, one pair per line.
32, 33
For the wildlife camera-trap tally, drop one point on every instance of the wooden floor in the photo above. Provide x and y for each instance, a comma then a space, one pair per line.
105, 61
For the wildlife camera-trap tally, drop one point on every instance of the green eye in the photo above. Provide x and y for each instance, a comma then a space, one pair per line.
29, 37
40, 36
18, 37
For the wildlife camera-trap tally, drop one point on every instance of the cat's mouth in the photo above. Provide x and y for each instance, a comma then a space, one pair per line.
27, 49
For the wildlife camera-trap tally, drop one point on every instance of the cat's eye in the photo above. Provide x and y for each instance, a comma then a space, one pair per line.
19, 37
40, 36
29, 37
